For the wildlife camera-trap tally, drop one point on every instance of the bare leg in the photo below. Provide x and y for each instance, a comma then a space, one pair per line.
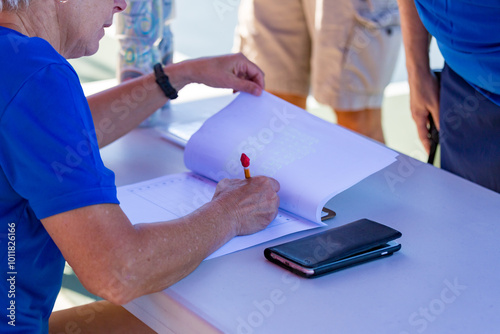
97, 317
367, 122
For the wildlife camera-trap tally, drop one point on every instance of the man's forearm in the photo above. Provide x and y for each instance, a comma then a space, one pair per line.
415, 39
169, 251
120, 109
120, 262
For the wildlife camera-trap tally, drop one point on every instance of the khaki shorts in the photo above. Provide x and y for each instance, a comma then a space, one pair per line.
344, 51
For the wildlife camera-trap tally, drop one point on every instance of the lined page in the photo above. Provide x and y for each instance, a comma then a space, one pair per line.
176, 195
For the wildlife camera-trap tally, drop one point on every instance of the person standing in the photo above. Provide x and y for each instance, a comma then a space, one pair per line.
465, 105
343, 51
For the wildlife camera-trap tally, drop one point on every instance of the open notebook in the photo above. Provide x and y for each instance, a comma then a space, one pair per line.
312, 159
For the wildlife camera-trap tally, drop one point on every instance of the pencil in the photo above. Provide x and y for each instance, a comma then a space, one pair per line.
245, 162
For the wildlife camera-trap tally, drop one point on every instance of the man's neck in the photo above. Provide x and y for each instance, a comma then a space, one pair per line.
35, 21
8, 20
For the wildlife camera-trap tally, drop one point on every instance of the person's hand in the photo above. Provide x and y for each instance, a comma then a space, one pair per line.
232, 71
424, 99
251, 203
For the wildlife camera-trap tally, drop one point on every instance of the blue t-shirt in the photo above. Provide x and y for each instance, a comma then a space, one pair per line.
49, 163
466, 32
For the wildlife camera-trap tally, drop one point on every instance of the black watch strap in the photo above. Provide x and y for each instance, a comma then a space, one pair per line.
164, 83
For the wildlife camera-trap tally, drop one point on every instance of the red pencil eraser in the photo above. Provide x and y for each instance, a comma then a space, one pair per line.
245, 161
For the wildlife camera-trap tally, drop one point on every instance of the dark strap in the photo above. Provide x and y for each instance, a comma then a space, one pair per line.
164, 83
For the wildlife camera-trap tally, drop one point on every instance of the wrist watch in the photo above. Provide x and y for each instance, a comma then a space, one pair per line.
164, 83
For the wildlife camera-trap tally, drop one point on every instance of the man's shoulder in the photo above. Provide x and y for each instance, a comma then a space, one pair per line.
23, 56
24, 59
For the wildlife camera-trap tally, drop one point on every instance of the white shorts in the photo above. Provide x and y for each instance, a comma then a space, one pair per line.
344, 51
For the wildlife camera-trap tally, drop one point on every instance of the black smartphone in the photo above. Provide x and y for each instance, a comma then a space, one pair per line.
314, 271
338, 248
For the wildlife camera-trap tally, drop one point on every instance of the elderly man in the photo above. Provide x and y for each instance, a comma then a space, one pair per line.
50, 212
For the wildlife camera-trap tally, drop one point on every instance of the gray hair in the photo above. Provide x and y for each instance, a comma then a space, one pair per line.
13, 5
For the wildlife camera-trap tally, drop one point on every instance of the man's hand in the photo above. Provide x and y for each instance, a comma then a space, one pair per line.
424, 99
232, 71
424, 88
252, 202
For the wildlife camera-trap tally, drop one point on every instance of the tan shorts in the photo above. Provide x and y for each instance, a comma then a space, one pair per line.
343, 50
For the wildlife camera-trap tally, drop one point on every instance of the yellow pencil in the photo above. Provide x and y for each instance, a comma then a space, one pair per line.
245, 162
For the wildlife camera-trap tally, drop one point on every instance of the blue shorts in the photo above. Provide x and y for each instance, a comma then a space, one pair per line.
469, 132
